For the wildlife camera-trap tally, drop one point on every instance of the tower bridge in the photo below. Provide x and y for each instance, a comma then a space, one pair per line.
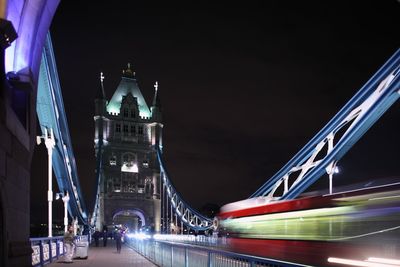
135, 189
126, 133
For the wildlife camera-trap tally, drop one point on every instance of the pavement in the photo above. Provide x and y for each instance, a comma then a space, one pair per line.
107, 257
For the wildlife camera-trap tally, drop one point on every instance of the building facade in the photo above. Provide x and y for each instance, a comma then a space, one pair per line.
126, 133
23, 28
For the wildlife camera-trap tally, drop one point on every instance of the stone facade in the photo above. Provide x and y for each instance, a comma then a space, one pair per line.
127, 131
18, 89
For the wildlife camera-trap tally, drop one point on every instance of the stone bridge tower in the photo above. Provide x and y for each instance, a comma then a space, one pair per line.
23, 28
130, 172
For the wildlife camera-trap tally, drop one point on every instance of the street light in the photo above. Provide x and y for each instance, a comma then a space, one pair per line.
49, 141
65, 199
331, 169
75, 225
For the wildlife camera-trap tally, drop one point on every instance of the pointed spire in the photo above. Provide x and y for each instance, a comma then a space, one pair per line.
156, 106
101, 93
156, 99
156, 86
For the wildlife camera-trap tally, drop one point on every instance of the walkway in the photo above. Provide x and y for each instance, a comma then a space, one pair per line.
108, 256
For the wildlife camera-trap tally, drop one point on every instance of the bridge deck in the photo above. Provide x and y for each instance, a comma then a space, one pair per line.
108, 256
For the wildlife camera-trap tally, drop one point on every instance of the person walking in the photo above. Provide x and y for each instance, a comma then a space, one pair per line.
96, 236
105, 235
69, 238
118, 240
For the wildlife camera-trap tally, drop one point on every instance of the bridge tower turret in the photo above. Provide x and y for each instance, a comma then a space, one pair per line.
100, 110
156, 118
126, 132
100, 121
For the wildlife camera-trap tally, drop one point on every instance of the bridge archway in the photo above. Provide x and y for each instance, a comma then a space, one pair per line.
134, 219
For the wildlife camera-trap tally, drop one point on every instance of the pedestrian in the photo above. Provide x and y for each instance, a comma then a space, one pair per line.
118, 241
105, 235
96, 236
69, 238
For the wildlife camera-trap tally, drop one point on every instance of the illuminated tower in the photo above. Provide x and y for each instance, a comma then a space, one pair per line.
127, 130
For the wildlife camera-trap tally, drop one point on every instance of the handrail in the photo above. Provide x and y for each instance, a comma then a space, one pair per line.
48, 249
174, 254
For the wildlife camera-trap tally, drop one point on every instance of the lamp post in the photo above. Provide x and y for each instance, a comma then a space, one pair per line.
49, 141
332, 169
75, 225
65, 199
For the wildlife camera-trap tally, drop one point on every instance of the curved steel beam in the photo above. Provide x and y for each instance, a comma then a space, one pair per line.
31, 20
354, 119
189, 216
51, 114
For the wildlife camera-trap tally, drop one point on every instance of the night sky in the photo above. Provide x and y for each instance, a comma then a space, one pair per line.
243, 87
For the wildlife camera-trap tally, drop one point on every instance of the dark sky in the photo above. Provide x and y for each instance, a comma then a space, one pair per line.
243, 86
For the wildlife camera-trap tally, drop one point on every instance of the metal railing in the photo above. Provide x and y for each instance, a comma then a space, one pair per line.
192, 239
212, 241
48, 249
168, 254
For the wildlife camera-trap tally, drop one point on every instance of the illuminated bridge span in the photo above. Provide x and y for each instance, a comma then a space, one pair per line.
338, 136
320, 230
278, 194
54, 125
274, 223
270, 217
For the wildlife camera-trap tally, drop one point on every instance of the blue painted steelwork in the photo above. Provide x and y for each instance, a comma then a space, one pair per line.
99, 166
189, 216
358, 115
51, 114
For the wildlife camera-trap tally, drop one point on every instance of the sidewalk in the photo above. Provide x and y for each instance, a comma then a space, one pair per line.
108, 256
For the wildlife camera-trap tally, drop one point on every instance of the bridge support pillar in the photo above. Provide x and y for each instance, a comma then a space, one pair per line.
49, 141
15, 155
18, 87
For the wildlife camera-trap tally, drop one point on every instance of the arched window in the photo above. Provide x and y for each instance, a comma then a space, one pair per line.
148, 186
129, 163
116, 184
113, 160
128, 159
110, 187
129, 182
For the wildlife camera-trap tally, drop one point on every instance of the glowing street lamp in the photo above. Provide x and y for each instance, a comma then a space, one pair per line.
75, 224
65, 199
331, 169
49, 141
